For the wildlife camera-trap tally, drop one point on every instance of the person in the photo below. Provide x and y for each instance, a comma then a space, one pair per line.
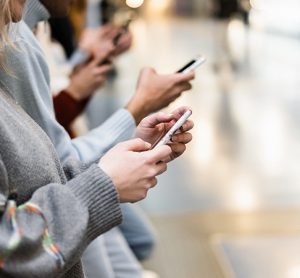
136, 228
134, 239
50, 212
59, 216
177, 145
31, 90
62, 209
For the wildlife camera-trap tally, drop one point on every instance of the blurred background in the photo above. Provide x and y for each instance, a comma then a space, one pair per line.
230, 207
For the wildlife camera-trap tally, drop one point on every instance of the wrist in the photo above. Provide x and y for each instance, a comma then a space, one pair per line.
137, 109
74, 92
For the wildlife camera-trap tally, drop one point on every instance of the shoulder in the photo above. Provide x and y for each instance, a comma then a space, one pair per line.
24, 40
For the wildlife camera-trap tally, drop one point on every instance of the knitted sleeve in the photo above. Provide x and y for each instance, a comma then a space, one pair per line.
46, 236
31, 90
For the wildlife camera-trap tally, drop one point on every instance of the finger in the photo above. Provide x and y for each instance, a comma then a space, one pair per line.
161, 167
103, 52
152, 182
99, 60
180, 111
183, 77
136, 145
183, 138
109, 31
102, 70
182, 87
157, 118
188, 125
178, 149
159, 154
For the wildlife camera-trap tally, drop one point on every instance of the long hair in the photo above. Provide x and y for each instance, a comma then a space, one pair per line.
5, 19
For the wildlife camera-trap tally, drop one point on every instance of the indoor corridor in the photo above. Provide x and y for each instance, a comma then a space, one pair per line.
230, 207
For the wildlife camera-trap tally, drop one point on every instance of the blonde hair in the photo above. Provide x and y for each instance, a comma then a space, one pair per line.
5, 20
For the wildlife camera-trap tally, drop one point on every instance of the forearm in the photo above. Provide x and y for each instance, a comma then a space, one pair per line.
117, 128
60, 221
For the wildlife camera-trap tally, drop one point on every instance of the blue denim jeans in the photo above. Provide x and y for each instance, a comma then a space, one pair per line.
115, 254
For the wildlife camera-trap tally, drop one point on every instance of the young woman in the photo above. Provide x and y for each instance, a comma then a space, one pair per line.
49, 213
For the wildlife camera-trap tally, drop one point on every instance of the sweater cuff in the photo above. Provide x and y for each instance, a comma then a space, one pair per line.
99, 195
120, 126
67, 108
79, 57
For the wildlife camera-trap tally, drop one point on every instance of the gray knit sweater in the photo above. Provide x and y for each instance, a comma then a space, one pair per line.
29, 85
48, 215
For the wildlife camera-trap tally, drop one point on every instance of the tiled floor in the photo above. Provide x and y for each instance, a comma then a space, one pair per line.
245, 155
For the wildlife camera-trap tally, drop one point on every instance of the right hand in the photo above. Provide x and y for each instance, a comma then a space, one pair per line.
156, 91
97, 42
124, 43
86, 79
133, 168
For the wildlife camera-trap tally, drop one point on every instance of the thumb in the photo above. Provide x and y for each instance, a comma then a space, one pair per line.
160, 153
136, 145
100, 58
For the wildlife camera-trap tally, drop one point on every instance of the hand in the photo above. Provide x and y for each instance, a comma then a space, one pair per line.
133, 168
155, 92
154, 127
124, 43
98, 42
86, 79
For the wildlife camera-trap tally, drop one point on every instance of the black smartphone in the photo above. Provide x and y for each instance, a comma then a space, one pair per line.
192, 65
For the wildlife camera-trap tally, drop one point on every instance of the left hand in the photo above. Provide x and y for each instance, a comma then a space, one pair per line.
153, 127
97, 42
87, 78
124, 43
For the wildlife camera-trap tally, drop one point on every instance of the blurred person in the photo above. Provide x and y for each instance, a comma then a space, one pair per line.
36, 74
62, 209
80, 39
107, 255
141, 238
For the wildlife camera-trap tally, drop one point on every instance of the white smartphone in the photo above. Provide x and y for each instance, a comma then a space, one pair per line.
192, 65
167, 137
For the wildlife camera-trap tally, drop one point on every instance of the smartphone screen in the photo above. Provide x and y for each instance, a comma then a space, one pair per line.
192, 65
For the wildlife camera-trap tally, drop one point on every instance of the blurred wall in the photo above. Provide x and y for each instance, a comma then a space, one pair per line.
193, 7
